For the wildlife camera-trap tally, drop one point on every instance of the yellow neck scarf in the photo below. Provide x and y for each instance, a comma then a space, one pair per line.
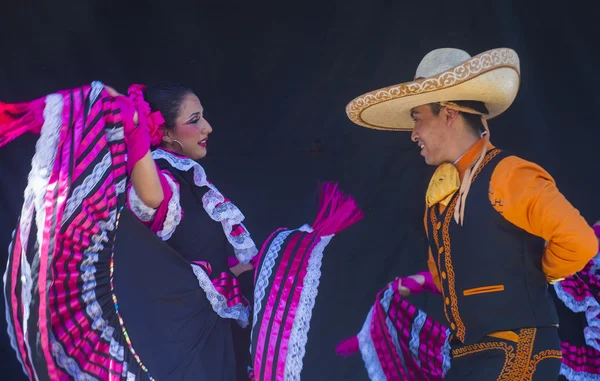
443, 184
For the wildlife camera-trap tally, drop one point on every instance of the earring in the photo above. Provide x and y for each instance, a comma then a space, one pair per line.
178, 142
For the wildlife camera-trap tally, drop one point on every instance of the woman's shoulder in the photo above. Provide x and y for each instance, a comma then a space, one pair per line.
181, 168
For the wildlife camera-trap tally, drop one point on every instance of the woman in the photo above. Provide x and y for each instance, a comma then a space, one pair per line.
116, 279
175, 118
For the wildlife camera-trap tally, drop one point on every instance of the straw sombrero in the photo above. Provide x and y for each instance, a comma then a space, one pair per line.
444, 74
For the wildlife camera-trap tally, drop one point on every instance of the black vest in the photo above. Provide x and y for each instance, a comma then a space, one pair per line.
490, 270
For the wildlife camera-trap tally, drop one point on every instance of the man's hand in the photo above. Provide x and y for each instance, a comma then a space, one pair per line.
404, 291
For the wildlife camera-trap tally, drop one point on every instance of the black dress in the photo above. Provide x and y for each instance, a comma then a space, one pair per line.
169, 318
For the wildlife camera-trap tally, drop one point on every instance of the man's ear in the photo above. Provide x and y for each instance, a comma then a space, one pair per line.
450, 115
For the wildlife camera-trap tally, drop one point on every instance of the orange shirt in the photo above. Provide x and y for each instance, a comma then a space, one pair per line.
527, 196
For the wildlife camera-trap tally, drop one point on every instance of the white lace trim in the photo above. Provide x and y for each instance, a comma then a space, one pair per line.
572, 375
266, 269
446, 361
589, 305
67, 363
83, 190
141, 210
97, 88
218, 302
34, 195
385, 302
88, 289
415, 338
173, 212
301, 326
226, 213
114, 134
10, 327
368, 352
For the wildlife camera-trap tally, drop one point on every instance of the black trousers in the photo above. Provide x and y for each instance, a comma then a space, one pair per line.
527, 354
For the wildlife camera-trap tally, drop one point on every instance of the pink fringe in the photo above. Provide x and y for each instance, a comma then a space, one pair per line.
337, 211
347, 347
20, 118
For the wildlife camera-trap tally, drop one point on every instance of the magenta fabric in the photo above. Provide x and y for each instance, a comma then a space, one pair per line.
20, 118
287, 271
400, 342
76, 216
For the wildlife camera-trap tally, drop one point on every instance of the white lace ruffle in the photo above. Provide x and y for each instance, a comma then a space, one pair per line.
572, 375
215, 205
301, 326
68, 363
589, 305
90, 182
218, 302
446, 363
385, 303
141, 210
173, 212
35, 192
10, 327
415, 338
368, 352
266, 269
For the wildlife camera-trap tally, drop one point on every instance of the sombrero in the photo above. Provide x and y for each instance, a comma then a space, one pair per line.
445, 74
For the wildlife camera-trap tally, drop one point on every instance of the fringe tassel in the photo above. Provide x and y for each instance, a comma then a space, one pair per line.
337, 211
20, 118
347, 347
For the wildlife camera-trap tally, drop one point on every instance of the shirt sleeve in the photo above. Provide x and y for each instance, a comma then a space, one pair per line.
527, 196
163, 220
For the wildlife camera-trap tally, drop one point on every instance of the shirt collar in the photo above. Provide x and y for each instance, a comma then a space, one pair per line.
470, 156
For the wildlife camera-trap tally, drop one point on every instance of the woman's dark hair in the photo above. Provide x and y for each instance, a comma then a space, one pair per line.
166, 97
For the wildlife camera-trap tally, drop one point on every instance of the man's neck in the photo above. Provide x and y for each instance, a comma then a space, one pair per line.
463, 145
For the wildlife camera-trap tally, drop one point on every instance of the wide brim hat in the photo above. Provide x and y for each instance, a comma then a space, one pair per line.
443, 75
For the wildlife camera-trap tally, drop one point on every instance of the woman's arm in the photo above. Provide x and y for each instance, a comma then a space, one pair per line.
145, 181
143, 171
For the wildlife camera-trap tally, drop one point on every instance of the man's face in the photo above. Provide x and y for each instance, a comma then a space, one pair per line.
430, 133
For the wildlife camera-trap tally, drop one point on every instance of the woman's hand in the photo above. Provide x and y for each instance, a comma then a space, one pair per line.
114, 93
240, 268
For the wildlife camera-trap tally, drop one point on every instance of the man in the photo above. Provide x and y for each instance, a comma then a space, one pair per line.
499, 230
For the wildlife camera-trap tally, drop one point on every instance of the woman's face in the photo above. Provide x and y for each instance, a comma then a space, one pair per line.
191, 129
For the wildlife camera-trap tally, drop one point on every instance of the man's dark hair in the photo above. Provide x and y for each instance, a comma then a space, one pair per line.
472, 120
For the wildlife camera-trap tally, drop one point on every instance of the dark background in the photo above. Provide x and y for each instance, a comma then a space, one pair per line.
274, 79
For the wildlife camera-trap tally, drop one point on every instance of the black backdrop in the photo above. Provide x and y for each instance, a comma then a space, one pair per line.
275, 78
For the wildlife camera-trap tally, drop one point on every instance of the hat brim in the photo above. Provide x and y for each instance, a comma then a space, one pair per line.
492, 77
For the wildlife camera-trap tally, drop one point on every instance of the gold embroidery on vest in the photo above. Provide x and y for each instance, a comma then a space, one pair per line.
436, 228
517, 366
547, 354
456, 320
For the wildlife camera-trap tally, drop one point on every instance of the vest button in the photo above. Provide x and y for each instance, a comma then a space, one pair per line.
447, 301
441, 250
452, 326
443, 275
438, 225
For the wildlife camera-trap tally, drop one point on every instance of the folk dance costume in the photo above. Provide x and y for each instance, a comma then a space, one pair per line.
100, 286
492, 254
